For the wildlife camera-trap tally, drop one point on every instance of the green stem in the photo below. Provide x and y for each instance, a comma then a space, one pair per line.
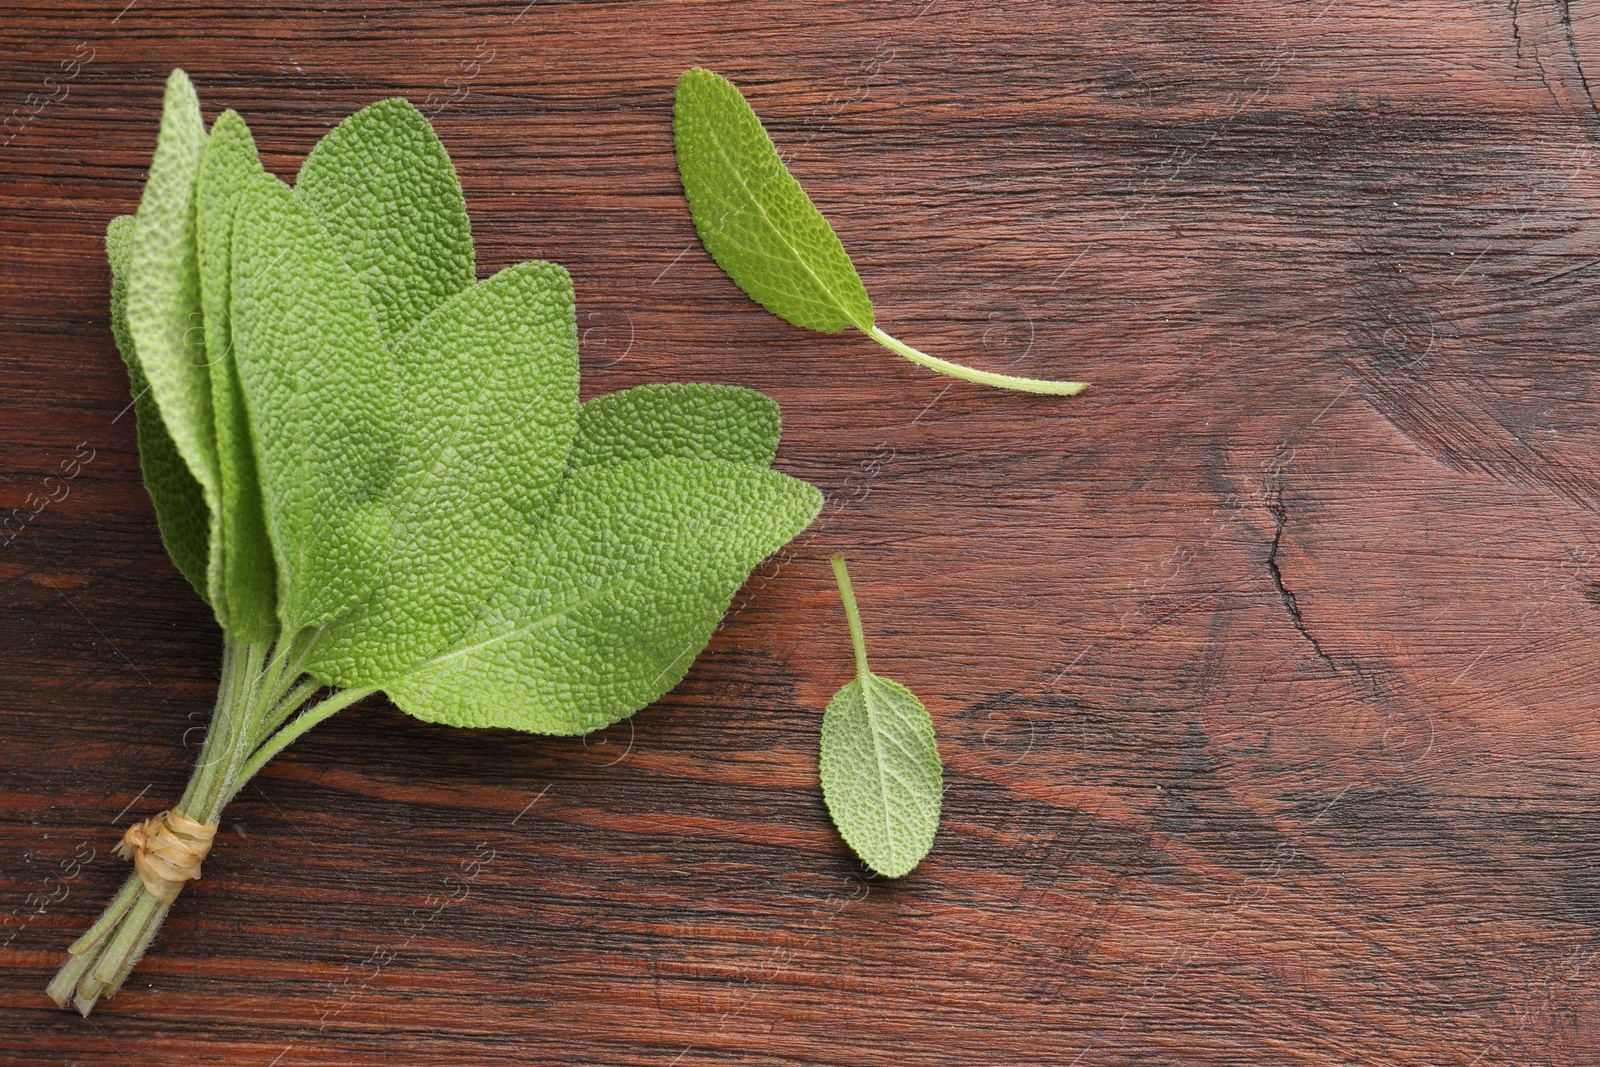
213, 753
298, 726
253, 706
130, 934
972, 374
260, 687
848, 594
285, 708
63, 988
113, 914
149, 924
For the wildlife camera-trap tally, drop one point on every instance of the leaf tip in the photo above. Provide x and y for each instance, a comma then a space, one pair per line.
118, 232
694, 74
230, 123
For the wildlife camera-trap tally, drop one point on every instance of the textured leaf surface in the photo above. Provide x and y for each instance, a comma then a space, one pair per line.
753, 216
384, 188
163, 294
322, 392
180, 506
489, 406
242, 576
624, 583
881, 775
688, 420
762, 228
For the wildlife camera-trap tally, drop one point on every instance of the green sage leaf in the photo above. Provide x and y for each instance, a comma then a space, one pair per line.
163, 307
488, 409
243, 577
762, 228
322, 393
755, 219
179, 502
623, 584
688, 420
384, 188
881, 775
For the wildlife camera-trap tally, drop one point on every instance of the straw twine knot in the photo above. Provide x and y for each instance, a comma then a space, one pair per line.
166, 850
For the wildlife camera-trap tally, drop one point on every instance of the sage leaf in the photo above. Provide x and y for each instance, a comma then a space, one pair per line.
322, 392
384, 188
688, 420
625, 581
881, 776
488, 410
753, 216
180, 504
761, 227
163, 307
242, 573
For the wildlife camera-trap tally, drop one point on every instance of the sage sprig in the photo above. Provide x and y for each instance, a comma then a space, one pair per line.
761, 227
375, 467
881, 775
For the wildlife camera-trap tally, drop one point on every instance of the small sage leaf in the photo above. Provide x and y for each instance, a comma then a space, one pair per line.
755, 219
881, 775
761, 227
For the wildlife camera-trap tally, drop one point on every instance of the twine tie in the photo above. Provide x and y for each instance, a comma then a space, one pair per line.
166, 850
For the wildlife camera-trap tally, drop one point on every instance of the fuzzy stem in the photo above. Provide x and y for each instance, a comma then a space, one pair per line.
972, 374
212, 753
299, 725
63, 987
260, 687
853, 616
130, 933
285, 708
113, 914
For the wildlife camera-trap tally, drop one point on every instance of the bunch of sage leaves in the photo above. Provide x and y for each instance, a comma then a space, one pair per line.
375, 467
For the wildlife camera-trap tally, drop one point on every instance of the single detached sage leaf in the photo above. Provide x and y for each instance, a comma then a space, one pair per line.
762, 228
881, 775
688, 420
754, 218
624, 582
180, 505
243, 576
163, 306
322, 392
489, 406
384, 188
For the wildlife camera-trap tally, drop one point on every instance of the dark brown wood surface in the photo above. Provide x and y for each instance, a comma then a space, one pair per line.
1266, 673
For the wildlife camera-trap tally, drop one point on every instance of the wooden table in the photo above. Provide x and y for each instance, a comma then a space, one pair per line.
1264, 672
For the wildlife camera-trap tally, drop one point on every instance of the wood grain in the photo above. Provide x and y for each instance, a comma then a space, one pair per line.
1264, 672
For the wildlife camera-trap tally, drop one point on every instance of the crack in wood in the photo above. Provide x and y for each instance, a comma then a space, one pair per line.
1291, 602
